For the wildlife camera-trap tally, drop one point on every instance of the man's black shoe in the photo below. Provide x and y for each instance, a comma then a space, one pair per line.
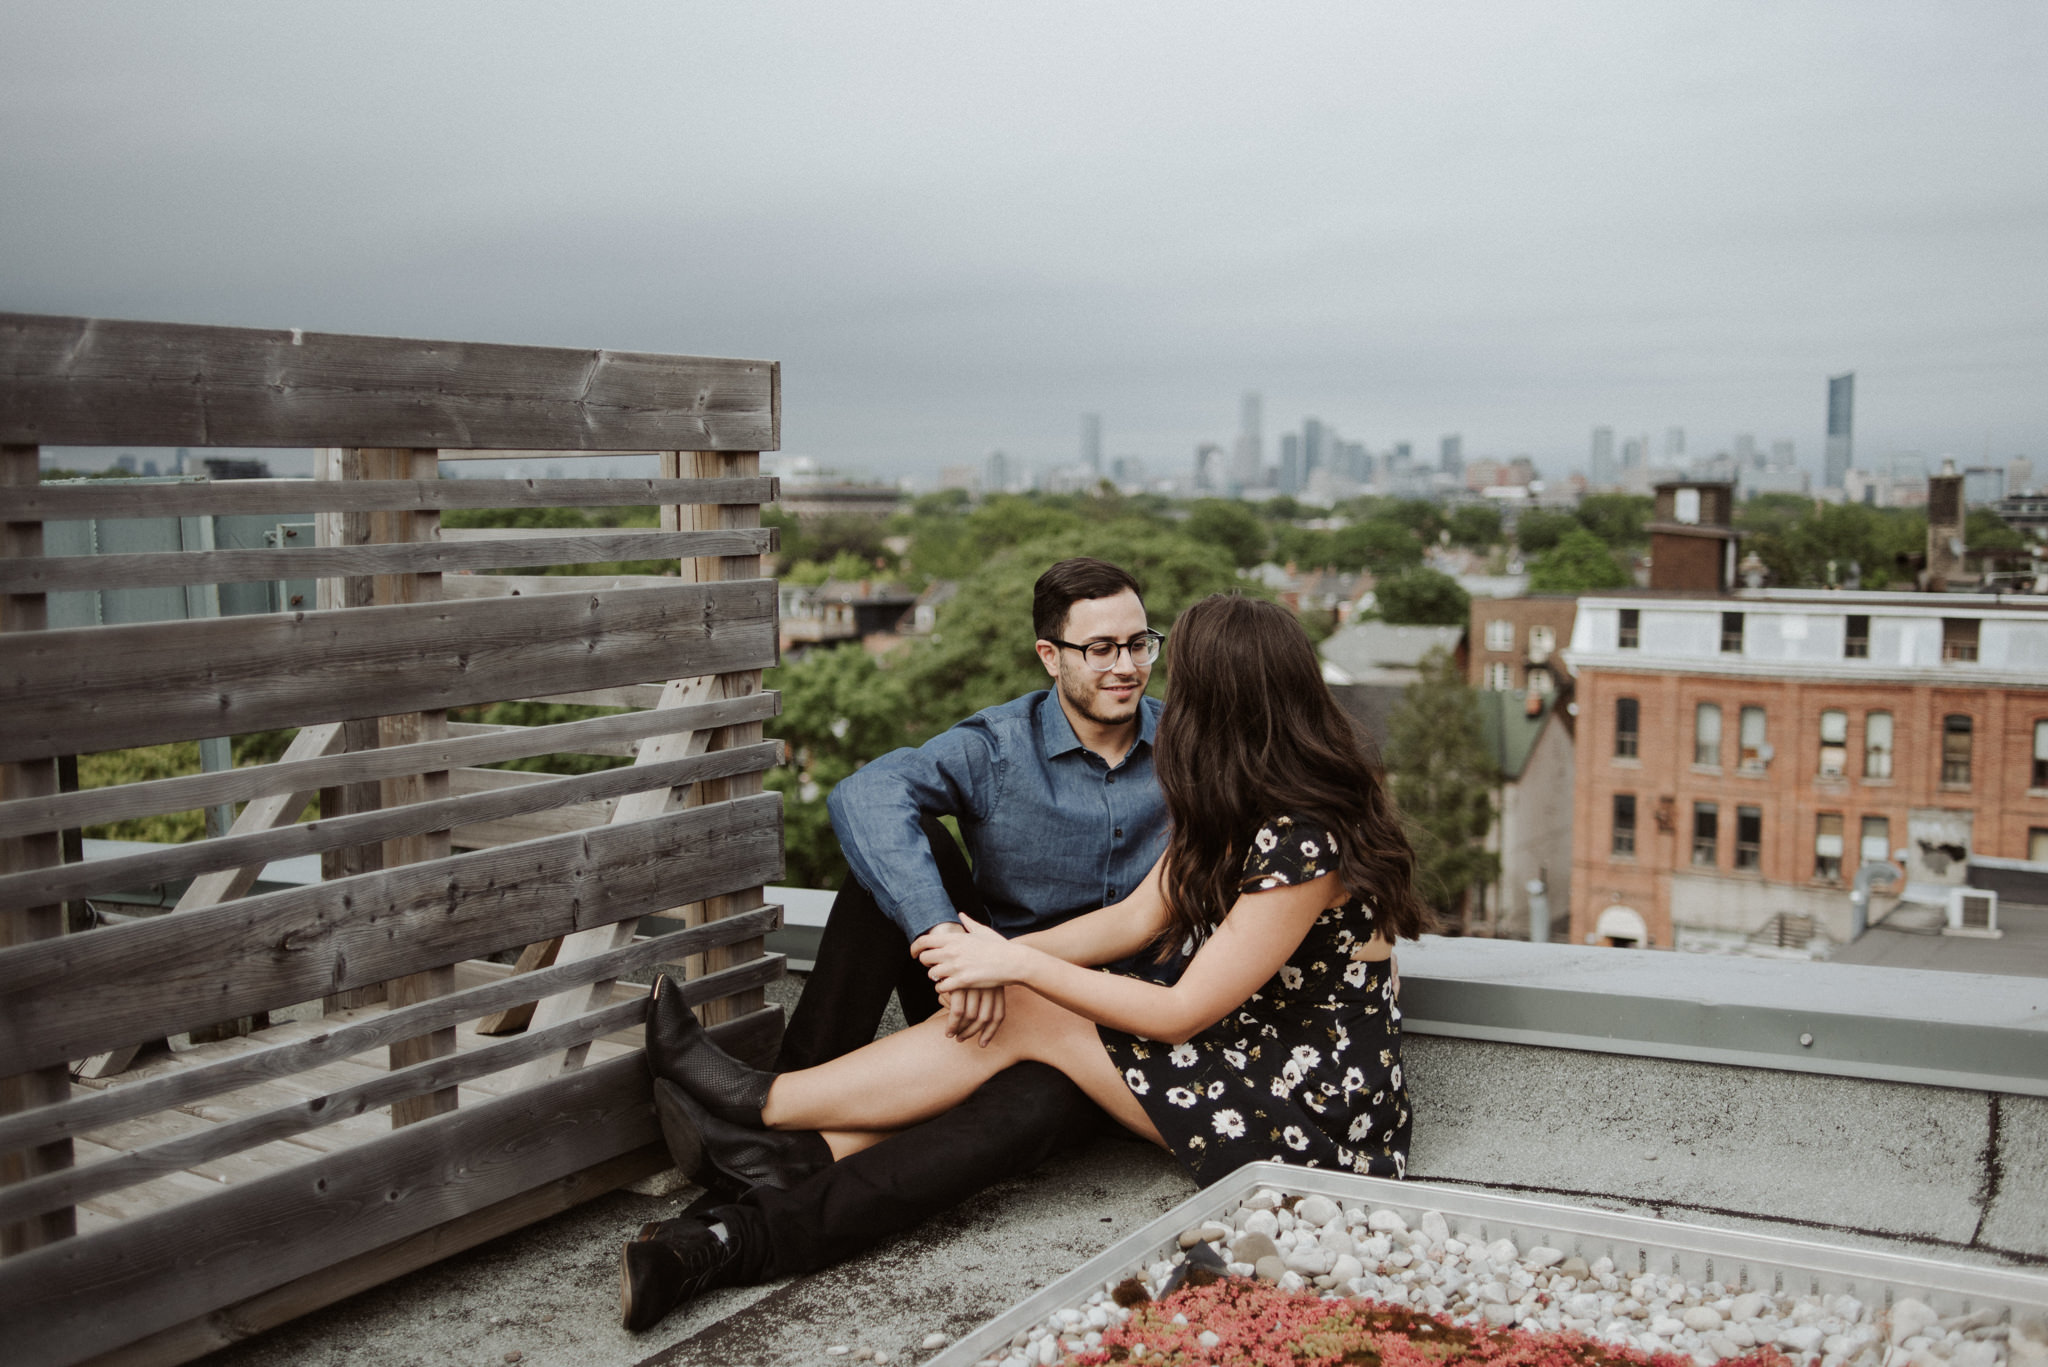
705, 1147
661, 1271
679, 1051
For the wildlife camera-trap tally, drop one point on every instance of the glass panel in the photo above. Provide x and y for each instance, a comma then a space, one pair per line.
1877, 745
1834, 744
1827, 845
1749, 837
1500, 635
1626, 712
1624, 823
1877, 838
1706, 733
1955, 749
1834, 727
2037, 845
1752, 735
1706, 833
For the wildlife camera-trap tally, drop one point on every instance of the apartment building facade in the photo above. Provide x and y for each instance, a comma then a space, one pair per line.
1518, 643
1739, 756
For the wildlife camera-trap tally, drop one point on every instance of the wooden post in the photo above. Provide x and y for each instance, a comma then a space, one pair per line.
705, 517
406, 729
20, 465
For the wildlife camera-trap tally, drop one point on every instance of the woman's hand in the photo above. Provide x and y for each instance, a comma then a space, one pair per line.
979, 959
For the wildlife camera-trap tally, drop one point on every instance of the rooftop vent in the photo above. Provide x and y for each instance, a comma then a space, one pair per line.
1972, 911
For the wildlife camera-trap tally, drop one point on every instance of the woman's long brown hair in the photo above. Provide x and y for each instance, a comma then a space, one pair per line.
1251, 732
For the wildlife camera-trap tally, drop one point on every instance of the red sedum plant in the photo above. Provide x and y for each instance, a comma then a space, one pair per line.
1259, 1325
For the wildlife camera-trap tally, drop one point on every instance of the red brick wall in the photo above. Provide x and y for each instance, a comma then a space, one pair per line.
1556, 611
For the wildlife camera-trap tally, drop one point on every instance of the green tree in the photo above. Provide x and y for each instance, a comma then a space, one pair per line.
1476, 525
1617, 519
1984, 530
1423, 597
1442, 780
1231, 525
1579, 563
1538, 529
1382, 545
1805, 544
840, 708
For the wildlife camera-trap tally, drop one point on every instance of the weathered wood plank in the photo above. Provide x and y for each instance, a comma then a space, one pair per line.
253, 1061
26, 613
626, 748
112, 1172
520, 585
295, 497
90, 382
102, 688
255, 847
495, 549
233, 1323
77, 995
58, 812
66, 1303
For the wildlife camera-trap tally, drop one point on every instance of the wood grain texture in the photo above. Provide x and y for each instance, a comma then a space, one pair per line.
87, 1296
101, 688
91, 382
290, 497
245, 1318
242, 855
495, 549
401, 1083
183, 1086
59, 811
78, 995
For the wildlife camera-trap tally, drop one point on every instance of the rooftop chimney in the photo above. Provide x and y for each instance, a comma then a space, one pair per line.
1944, 527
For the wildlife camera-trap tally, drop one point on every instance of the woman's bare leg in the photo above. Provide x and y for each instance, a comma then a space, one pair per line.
846, 1143
915, 1074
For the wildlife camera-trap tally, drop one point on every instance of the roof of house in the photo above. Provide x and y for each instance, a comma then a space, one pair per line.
1377, 652
1509, 728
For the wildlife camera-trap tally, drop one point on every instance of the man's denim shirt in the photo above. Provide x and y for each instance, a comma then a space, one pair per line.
1053, 830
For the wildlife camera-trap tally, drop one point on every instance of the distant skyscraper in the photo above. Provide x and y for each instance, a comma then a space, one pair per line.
1357, 463
1091, 443
1745, 450
1783, 455
1451, 455
1635, 452
1314, 437
1841, 429
995, 473
1209, 472
1248, 460
1600, 469
1674, 445
1290, 463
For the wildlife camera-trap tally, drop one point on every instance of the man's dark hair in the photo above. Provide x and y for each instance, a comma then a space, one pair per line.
1070, 581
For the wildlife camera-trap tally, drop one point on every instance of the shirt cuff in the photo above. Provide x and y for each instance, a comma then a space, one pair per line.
921, 917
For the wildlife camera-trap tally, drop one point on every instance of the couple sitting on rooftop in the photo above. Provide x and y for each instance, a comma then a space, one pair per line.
1231, 860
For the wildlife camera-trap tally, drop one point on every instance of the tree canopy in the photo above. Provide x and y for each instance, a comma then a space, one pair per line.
1442, 780
1423, 597
1580, 562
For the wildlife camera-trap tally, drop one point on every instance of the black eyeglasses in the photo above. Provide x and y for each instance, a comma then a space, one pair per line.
1101, 655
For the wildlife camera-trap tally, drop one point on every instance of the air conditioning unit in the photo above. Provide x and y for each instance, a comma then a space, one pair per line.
1972, 911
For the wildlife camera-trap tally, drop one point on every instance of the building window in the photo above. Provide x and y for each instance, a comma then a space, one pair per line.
1706, 734
1876, 843
1827, 846
2040, 779
1731, 633
1834, 743
1706, 834
1955, 750
1958, 638
1627, 717
1877, 745
2037, 844
1751, 740
1625, 824
1540, 682
1749, 838
1542, 640
1631, 628
1499, 676
1500, 634
1856, 642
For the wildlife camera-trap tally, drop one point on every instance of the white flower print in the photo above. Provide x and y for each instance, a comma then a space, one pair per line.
1378, 1097
1180, 1096
1362, 1165
1281, 1085
1228, 1123
1306, 1056
1294, 1138
1310, 849
1354, 973
1183, 1056
1269, 1032
1333, 843
1343, 1042
1354, 1081
1138, 1082
1314, 1101
1386, 1057
1290, 977
1234, 1058
1215, 1089
1400, 1163
1361, 1128
1395, 1079
1265, 840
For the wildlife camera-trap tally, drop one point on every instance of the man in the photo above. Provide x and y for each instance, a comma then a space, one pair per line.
1056, 801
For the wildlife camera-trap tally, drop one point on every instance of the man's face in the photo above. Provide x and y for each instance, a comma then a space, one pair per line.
1109, 698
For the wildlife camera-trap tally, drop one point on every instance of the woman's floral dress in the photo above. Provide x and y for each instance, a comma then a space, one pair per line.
1308, 1071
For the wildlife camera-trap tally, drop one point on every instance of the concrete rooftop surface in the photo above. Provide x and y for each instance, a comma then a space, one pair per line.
1534, 1069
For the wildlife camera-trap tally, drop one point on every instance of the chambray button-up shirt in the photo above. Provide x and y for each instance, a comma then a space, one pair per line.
1054, 831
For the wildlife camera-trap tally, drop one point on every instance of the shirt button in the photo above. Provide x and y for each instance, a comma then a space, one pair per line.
1111, 779
1118, 833
1112, 892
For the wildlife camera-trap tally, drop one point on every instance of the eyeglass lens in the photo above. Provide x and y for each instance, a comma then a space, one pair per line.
1102, 654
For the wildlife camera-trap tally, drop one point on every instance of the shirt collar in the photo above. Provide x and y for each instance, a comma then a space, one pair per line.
1056, 734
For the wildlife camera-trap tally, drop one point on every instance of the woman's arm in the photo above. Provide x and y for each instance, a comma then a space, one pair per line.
1258, 935
1117, 931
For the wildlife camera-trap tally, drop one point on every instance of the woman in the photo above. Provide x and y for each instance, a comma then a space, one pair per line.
1287, 878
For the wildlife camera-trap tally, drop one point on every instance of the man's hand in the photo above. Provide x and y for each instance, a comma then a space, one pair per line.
971, 1013
971, 964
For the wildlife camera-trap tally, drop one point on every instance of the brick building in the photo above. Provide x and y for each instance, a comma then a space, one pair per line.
1516, 643
1738, 756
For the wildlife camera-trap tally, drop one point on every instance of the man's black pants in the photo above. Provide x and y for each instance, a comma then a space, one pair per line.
1014, 1122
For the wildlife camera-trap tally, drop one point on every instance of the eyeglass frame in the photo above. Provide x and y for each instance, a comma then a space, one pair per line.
1156, 638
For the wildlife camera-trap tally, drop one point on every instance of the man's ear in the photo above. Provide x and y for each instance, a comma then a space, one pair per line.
1049, 656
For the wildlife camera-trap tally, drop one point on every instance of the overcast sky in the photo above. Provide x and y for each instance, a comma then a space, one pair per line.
959, 226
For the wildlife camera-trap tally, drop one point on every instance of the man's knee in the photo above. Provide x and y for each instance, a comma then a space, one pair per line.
1029, 1111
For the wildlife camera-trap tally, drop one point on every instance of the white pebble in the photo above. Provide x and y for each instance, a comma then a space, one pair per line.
881, 1359
1747, 1306
1347, 1268
1800, 1338
1263, 1199
1262, 1222
934, 1341
1434, 1228
1386, 1222
1665, 1327
1541, 1256
1317, 1210
1911, 1317
1703, 1318
837, 1350
1208, 1338
1502, 1252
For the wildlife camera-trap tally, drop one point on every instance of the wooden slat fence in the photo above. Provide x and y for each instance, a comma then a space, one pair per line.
383, 1087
